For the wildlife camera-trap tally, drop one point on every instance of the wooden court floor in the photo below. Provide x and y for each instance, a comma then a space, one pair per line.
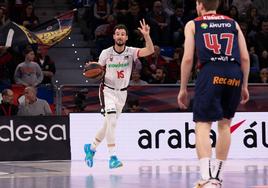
251, 173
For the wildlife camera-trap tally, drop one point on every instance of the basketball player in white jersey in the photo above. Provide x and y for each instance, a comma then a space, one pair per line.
117, 61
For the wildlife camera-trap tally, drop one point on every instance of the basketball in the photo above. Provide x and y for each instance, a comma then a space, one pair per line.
93, 71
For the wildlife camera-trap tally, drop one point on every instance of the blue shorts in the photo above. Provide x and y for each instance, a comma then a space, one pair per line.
217, 92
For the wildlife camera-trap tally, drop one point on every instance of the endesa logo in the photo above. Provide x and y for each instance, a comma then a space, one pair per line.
25, 133
183, 138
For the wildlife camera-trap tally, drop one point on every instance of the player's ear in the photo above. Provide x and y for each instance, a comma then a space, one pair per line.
127, 37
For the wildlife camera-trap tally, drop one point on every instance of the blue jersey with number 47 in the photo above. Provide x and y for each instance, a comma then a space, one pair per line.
216, 39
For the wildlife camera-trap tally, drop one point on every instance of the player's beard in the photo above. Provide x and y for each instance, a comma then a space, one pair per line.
120, 43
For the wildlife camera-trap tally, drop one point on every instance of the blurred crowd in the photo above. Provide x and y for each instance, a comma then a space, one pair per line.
167, 19
27, 67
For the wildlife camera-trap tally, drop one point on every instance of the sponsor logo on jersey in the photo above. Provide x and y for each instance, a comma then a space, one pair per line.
219, 25
119, 65
204, 26
222, 58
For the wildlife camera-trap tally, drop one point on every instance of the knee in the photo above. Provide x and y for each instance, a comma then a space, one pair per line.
223, 128
111, 119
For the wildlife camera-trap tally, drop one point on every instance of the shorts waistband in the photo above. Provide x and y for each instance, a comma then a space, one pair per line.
123, 89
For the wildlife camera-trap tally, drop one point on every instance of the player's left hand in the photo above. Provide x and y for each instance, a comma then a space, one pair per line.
145, 28
244, 96
183, 99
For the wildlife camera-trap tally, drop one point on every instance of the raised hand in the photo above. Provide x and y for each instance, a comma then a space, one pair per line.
145, 28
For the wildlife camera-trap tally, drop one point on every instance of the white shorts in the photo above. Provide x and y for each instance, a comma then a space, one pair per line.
114, 100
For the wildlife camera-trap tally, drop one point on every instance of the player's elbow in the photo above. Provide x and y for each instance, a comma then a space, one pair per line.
188, 60
146, 52
245, 59
151, 50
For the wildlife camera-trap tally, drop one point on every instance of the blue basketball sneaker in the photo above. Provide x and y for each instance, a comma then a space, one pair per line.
114, 162
89, 155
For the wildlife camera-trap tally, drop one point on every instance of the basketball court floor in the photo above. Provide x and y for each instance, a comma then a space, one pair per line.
134, 174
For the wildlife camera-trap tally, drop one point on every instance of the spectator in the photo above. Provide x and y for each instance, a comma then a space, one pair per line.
254, 60
101, 12
85, 20
46, 64
133, 105
264, 75
80, 101
28, 17
156, 59
159, 23
114, 7
15, 8
242, 6
5, 57
9, 59
103, 35
7, 106
122, 7
253, 21
169, 6
146, 73
137, 65
135, 79
233, 13
33, 106
3, 16
262, 44
28, 73
262, 6
189, 9
132, 21
173, 67
160, 76
177, 23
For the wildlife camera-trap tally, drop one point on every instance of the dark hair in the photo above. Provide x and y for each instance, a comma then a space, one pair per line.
3, 8
27, 50
5, 92
133, 102
264, 20
164, 70
120, 26
210, 4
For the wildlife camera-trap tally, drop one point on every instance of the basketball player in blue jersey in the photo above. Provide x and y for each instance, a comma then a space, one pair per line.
221, 83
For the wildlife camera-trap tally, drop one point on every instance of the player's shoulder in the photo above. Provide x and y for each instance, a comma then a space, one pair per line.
190, 23
131, 48
190, 26
108, 49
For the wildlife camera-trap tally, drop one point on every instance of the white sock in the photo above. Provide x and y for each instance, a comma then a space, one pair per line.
94, 144
218, 169
205, 168
112, 150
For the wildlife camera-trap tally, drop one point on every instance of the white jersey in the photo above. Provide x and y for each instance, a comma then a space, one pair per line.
118, 66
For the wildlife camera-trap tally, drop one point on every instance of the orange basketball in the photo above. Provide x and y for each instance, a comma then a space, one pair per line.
93, 70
